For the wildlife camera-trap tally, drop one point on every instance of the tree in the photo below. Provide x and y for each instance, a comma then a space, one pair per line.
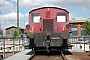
16, 33
87, 27
20, 32
1, 32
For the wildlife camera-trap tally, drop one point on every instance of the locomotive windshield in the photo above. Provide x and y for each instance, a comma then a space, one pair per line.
61, 17
36, 17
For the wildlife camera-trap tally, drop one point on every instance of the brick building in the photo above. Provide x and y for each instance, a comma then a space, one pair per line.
10, 31
77, 26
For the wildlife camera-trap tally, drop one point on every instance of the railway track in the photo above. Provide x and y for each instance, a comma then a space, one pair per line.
54, 56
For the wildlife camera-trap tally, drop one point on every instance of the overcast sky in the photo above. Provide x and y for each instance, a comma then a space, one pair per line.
76, 8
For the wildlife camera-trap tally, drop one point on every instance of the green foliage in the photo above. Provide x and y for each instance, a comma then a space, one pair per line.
20, 32
87, 27
1, 32
16, 33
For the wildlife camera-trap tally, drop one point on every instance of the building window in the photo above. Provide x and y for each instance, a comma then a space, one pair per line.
61, 17
74, 30
36, 17
12, 32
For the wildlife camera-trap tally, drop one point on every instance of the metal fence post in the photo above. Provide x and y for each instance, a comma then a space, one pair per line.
19, 44
74, 41
22, 37
84, 43
89, 43
23, 42
3, 49
13, 46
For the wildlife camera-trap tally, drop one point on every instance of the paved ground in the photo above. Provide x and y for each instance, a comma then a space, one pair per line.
24, 55
78, 56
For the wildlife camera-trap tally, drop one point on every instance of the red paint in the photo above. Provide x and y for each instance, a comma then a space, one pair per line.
47, 14
51, 14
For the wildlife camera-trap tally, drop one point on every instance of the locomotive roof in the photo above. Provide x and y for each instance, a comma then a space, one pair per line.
48, 7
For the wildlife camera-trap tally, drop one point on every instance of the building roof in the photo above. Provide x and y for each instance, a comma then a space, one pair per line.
79, 20
12, 27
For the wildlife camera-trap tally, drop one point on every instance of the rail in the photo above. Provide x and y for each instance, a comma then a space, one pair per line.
63, 56
31, 56
43, 56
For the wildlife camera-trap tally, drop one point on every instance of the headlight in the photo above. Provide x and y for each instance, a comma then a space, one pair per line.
68, 25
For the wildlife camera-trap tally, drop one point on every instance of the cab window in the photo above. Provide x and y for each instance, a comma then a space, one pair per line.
36, 17
61, 17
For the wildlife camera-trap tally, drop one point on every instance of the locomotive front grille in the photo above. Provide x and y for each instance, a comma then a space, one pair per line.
48, 25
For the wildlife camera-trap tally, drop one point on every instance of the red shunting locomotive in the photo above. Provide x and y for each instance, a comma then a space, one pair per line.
48, 29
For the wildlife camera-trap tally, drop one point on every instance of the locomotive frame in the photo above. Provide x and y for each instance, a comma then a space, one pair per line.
48, 29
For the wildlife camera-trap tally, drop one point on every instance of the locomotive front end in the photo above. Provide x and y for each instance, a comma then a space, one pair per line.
48, 30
